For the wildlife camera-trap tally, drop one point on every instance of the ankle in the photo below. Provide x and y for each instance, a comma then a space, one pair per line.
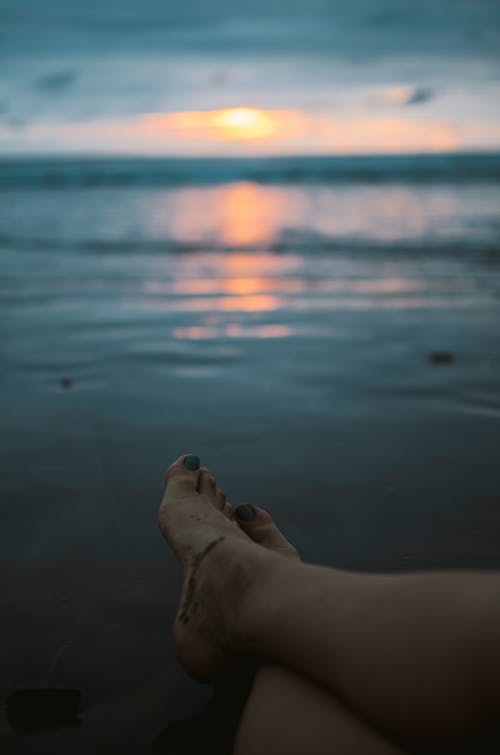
253, 575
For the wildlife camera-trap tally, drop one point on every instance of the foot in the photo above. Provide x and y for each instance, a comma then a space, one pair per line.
261, 528
219, 549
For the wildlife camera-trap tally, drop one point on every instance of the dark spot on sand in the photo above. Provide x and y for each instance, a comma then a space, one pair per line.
66, 383
440, 357
32, 710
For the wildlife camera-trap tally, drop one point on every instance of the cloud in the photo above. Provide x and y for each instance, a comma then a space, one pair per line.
57, 82
391, 16
402, 96
420, 94
12, 121
336, 28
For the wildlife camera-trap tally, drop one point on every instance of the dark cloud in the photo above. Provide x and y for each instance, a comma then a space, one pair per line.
402, 96
338, 28
420, 95
56, 82
15, 122
391, 17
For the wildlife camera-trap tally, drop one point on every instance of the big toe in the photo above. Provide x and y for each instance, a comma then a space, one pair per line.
181, 480
261, 528
183, 475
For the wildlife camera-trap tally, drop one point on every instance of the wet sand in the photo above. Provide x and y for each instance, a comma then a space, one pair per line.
355, 397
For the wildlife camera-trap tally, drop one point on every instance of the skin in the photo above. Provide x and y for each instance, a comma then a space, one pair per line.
373, 663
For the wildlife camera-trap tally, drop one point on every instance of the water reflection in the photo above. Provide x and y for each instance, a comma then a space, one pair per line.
246, 215
269, 295
235, 330
240, 215
236, 286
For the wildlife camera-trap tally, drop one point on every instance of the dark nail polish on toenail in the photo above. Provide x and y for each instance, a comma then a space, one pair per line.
192, 463
244, 513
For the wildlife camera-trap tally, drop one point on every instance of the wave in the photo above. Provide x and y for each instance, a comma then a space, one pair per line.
301, 243
64, 172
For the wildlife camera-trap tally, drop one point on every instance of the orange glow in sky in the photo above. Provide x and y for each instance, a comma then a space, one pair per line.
231, 124
244, 123
251, 131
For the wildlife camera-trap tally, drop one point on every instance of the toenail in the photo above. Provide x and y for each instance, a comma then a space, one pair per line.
192, 462
244, 513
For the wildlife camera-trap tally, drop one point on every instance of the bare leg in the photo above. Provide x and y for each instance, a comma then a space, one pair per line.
287, 714
416, 655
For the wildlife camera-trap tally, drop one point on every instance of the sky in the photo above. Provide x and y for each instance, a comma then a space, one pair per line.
248, 77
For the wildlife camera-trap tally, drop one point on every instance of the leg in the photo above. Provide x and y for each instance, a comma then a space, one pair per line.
416, 655
288, 715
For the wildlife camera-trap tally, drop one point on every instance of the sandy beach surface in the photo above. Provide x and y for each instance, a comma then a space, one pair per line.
330, 351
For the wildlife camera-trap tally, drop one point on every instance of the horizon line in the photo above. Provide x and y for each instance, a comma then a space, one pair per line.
492, 151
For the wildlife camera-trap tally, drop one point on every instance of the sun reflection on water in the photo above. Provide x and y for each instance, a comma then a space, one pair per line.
234, 330
234, 274
238, 215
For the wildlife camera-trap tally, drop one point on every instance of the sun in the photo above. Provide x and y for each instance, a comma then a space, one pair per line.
243, 123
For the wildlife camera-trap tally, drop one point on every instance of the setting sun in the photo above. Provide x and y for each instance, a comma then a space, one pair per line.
243, 123
238, 124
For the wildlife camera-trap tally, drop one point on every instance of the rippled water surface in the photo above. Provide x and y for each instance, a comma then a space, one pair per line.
361, 315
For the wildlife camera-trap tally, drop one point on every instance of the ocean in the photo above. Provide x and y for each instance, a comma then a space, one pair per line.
296, 288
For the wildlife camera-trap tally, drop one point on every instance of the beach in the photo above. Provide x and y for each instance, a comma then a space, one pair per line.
324, 338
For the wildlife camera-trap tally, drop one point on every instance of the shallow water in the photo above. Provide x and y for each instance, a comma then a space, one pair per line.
330, 350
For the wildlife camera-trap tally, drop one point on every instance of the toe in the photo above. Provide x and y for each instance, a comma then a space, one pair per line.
206, 483
261, 528
220, 499
228, 511
183, 475
254, 521
223, 504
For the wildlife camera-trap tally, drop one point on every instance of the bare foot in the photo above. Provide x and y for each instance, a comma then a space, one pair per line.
219, 549
261, 528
